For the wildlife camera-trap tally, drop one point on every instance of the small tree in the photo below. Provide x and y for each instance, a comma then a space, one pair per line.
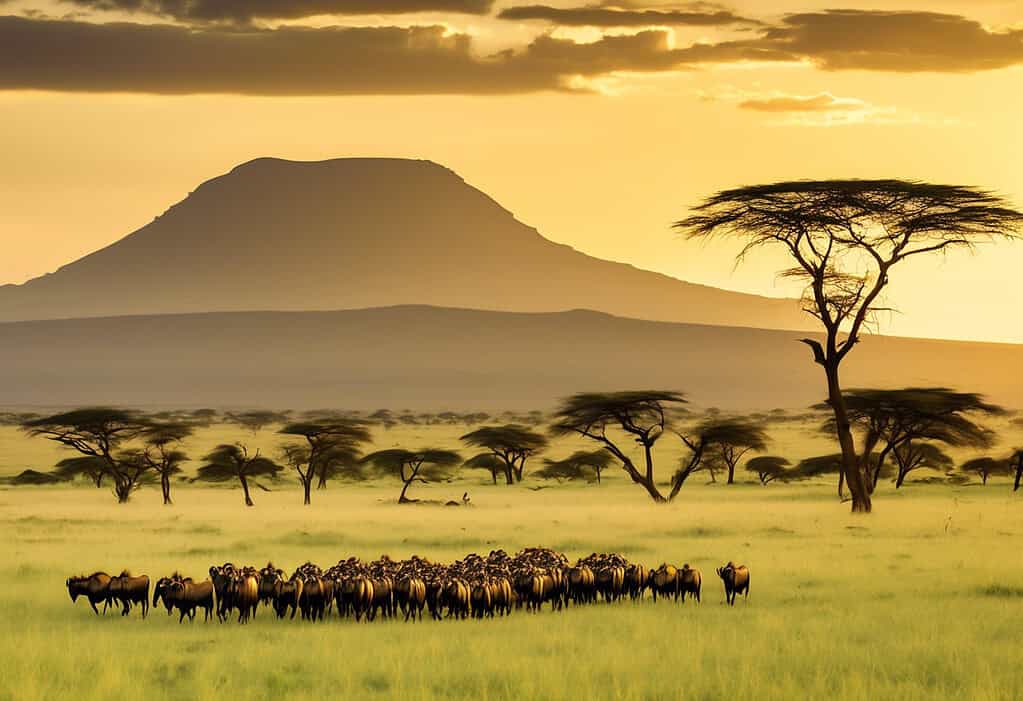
232, 461
256, 421
98, 434
430, 464
582, 464
641, 415
489, 462
911, 456
163, 455
985, 467
845, 238
768, 468
732, 438
512, 444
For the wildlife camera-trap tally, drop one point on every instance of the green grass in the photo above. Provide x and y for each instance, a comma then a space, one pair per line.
893, 605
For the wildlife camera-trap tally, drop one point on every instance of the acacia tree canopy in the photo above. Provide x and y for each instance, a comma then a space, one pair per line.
512, 444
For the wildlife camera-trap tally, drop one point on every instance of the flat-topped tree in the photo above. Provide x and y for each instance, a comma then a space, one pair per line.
233, 461
986, 467
768, 468
892, 421
257, 420
582, 464
99, 434
512, 444
641, 416
489, 462
426, 465
332, 448
730, 439
845, 238
911, 456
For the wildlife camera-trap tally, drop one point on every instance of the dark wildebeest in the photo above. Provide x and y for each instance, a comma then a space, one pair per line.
312, 601
736, 580
610, 581
455, 597
481, 602
383, 598
287, 595
362, 598
581, 585
690, 581
187, 595
268, 577
410, 595
95, 587
501, 595
636, 579
130, 590
244, 593
664, 581
221, 578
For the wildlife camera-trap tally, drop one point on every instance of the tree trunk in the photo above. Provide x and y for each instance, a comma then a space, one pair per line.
122, 488
1019, 476
854, 476
598, 476
731, 473
402, 499
901, 478
307, 485
245, 489
322, 482
841, 484
493, 475
165, 486
509, 476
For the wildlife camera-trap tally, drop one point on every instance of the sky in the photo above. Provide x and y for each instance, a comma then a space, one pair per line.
598, 124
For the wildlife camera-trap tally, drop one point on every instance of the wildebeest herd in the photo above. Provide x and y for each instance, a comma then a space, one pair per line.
475, 586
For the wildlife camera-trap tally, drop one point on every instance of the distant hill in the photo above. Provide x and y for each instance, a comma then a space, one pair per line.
425, 357
355, 233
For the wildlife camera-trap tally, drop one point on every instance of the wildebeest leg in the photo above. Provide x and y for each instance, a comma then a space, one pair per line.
94, 609
145, 606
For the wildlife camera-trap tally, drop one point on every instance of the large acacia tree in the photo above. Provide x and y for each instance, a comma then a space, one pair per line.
729, 439
331, 447
100, 436
163, 455
511, 444
846, 238
641, 416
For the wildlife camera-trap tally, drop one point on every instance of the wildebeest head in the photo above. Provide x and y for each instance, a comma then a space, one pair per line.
727, 571
73, 587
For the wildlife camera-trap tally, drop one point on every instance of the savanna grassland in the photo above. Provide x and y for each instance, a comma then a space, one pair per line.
921, 599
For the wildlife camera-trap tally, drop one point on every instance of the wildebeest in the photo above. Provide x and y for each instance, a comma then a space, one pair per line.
312, 599
186, 595
690, 581
455, 598
610, 582
664, 581
581, 585
221, 578
95, 587
268, 578
383, 598
243, 591
501, 595
130, 590
736, 581
286, 595
362, 598
636, 578
410, 596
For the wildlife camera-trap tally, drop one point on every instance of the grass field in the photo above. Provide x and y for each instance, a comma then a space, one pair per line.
922, 599
919, 600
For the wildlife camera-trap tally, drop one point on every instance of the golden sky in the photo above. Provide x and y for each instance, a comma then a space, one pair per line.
599, 136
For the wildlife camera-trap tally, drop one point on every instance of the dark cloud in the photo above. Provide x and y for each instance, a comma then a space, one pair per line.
126, 57
894, 41
627, 16
243, 11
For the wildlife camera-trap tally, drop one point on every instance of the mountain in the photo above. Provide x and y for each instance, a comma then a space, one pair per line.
432, 358
356, 233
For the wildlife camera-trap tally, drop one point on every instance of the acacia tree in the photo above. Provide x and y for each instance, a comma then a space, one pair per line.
512, 444
489, 462
893, 420
257, 420
729, 439
846, 237
232, 461
162, 453
985, 467
582, 464
912, 456
429, 464
332, 448
98, 435
641, 415
768, 468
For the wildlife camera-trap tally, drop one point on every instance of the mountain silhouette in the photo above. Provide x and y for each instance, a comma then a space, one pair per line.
433, 358
359, 233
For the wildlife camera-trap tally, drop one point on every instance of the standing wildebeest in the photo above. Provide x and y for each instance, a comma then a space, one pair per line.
664, 581
610, 581
636, 579
312, 599
287, 594
481, 602
95, 587
501, 595
187, 595
268, 578
130, 590
455, 597
690, 581
362, 598
383, 598
410, 595
221, 578
244, 593
736, 580
581, 585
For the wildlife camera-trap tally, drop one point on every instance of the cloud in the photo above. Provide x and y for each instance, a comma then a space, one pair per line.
624, 16
65, 55
894, 41
243, 11
822, 102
